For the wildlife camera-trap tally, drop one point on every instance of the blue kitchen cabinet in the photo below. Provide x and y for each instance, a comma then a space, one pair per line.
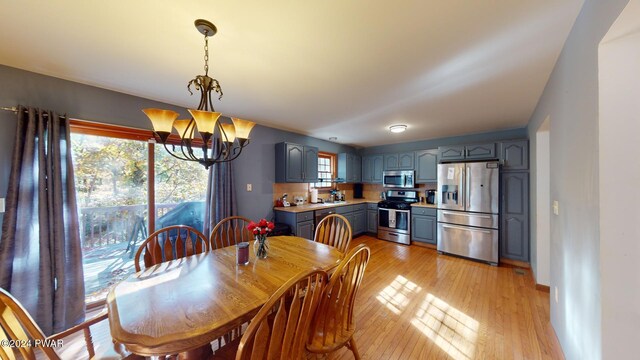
485, 151
514, 155
372, 167
372, 218
399, 161
424, 225
296, 163
426, 166
349, 167
514, 222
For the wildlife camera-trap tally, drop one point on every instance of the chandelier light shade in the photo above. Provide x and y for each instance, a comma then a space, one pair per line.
162, 121
184, 129
243, 128
219, 141
229, 133
206, 121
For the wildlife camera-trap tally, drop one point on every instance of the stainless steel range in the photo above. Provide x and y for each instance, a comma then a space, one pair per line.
394, 216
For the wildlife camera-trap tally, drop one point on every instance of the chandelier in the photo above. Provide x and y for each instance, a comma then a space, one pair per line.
220, 141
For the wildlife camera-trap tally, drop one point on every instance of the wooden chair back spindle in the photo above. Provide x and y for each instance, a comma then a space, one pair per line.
280, 329
169, 243
334, 230
333, 324
230, 231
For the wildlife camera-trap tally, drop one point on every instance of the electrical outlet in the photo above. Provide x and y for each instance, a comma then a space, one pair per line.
556, 291
249, 187
556, 207
1, 205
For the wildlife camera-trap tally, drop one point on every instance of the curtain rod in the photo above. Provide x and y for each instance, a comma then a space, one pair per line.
15, 110
12, 108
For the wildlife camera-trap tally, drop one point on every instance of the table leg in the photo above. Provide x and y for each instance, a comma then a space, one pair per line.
203, 352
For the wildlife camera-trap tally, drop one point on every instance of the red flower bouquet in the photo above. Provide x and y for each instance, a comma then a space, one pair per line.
260, 231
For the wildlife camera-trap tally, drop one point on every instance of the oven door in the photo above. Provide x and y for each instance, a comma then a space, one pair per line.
393, 225
396, 220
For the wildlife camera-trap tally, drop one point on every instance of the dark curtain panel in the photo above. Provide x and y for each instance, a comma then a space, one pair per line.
221, 196
40, 249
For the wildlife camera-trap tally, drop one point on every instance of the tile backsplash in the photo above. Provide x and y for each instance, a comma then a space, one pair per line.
369, 191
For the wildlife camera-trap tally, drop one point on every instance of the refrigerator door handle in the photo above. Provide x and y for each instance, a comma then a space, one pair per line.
466, 214
466, 228
461, 193
467, 192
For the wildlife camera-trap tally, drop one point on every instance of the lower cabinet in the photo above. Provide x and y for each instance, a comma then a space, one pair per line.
359, 222
305, 230
372, 218
424, 225
514, 223
301, 223
356, 215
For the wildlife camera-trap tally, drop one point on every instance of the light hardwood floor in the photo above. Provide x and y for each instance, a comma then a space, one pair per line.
416, 304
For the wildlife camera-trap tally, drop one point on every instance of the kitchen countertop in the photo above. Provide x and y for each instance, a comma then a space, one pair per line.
311, 207
421, 204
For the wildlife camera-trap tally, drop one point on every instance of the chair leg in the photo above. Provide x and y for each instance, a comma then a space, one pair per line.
352, 345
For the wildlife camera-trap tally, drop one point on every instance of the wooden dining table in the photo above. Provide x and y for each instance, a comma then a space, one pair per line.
181, 306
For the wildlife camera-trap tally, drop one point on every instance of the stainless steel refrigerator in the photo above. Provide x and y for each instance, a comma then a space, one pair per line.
468, 210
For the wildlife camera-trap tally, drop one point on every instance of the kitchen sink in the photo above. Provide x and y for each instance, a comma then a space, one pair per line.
333, 203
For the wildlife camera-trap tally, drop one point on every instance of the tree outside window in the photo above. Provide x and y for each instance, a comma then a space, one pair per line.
326, 170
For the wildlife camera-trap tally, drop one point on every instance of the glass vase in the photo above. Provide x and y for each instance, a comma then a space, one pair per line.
261, 246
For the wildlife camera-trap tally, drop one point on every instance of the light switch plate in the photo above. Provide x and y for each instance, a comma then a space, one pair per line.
249, 187
1, 205
556, 207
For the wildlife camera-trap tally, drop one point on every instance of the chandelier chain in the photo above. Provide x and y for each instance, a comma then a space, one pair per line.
206, 54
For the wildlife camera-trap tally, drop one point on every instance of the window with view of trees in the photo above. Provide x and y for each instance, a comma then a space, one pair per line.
326, 163
113, 180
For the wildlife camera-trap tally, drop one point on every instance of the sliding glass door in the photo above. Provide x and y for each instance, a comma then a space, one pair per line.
126, 188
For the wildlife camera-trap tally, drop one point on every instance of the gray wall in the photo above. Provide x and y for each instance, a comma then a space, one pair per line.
520, 133
570, 100
256, 165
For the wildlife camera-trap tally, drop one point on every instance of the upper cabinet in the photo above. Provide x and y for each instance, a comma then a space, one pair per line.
515, 155
399, 161
426, 166
296, 163
349, 167
451, 153
372, 166
467, 152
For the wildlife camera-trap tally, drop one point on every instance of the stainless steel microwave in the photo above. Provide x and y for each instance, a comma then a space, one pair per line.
398, 179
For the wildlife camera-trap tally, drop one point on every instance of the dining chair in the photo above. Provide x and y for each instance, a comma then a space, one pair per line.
279, 330
18, 327
169, 243
334, 230
230, 231
333, 323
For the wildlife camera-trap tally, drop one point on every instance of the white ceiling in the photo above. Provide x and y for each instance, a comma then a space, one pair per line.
322, 68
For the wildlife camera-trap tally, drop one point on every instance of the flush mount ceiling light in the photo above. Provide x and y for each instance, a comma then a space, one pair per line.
397, 128
220, 142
